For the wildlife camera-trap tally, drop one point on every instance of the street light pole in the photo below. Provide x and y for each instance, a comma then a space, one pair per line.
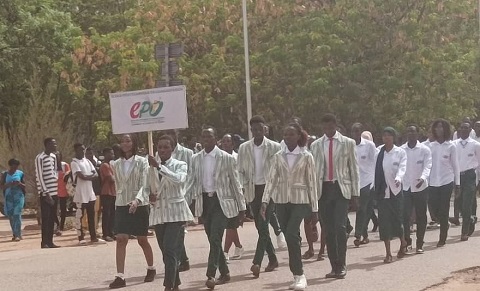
247, 65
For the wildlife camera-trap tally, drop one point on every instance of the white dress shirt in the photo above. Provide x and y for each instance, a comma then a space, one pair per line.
209, 170
127, 164
326, 148
259, 166
292, 156
366, 153
468, 151
445, 169
419, 164
394, 167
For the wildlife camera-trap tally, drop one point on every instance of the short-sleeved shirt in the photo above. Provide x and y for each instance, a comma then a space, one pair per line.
108, 184
83, 190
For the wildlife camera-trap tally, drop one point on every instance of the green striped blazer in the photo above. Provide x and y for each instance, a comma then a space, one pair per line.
132, 185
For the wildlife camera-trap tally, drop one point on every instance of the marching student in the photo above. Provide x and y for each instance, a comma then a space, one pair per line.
390, 169
84, 173
415, 184
131, 208
183, 154
338, 186
214, 184
365, 151
444, 175
254, 161
231, 235
170, 210
468, 152
292, 186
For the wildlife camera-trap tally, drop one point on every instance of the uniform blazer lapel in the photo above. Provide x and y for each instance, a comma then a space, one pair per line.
218, 166
340, 145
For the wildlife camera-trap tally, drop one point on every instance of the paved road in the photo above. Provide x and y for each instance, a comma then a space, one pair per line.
25, 267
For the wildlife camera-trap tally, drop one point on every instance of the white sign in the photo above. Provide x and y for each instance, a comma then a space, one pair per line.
149, 110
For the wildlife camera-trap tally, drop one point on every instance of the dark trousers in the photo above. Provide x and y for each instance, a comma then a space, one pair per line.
334, 210
468, 191
62, 201
90, 209
264, 242
277, 229
290, 217
168, 237
56, 221
417, 200
439, 197
48, 219
457, 206
183, 258
108, 214
364, 212
215, 222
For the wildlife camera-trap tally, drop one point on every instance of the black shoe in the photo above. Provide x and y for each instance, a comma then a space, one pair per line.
223, 279
341, 273
455, 221
185, 266
331, 275
53, 246
45, 247
210, 283
440, 244
117, 283
150, 275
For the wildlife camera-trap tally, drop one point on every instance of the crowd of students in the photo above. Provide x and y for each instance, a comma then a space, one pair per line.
301, 179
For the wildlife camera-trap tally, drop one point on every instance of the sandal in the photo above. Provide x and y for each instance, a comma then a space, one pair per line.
388, 259
308, 255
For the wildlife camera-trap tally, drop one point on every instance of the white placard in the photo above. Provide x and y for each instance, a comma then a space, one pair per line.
149, 110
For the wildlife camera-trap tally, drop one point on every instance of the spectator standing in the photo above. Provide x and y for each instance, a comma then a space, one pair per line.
108, 194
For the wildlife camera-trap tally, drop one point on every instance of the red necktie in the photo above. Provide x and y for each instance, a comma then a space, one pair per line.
330, 160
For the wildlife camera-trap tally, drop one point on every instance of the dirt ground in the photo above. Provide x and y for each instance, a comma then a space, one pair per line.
463, 280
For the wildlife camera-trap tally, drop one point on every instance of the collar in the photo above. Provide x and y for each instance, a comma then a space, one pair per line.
296, 151
129, 160
335, 136
362, 141
406, 147
447, 142
469, 139
261, 145
213, 153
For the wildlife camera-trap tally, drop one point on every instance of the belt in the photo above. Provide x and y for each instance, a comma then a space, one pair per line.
210, 194
330, 182
467, 171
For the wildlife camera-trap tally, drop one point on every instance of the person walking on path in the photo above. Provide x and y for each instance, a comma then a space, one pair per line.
132, 208
338, 188
292, 186
170, 211
214, 184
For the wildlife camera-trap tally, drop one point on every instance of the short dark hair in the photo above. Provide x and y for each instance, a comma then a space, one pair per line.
77, 145
105, 150
447, 131
329, 117
414, 125
296, 119
167, 138
207, 127
47, 141
357, 124
13, 162
257, 119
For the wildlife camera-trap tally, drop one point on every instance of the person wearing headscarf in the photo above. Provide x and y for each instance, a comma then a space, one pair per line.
390, 168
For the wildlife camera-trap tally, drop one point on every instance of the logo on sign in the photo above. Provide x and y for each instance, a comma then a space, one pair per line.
146, 109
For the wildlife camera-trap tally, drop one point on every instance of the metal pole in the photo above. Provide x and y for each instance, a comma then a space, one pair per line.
247, 65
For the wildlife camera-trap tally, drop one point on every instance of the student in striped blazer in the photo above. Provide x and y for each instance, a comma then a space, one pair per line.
338, 186
170, 211
131, 207
214, 184
291, 184
254, 160
183, 154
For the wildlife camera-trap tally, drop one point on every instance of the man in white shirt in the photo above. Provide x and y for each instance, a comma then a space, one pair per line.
365, 151
468, 151
471, 133
83, 173
415, 184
